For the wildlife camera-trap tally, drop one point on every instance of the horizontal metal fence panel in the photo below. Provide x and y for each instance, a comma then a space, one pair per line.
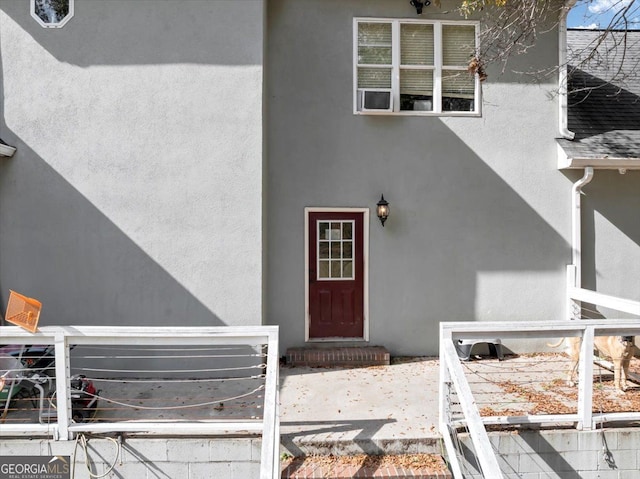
188, 364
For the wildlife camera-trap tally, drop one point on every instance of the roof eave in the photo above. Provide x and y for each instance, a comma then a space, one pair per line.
566, 162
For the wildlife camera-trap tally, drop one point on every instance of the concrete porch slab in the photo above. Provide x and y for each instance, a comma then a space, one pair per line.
390, 409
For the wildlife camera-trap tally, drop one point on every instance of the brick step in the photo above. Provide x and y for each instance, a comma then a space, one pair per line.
356, 356
367, 467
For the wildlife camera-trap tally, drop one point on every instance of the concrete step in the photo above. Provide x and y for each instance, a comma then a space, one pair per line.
351, 356
324, 444
369, 467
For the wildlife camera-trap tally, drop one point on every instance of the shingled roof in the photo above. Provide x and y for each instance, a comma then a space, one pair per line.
604, 99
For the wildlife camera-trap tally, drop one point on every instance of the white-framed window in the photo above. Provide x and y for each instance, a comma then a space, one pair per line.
52, 13
414, 67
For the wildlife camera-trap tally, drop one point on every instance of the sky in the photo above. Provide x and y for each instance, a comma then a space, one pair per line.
599, 14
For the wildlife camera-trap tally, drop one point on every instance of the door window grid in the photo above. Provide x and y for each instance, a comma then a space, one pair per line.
335, 250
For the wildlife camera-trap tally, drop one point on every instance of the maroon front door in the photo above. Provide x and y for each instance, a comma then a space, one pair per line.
336, 283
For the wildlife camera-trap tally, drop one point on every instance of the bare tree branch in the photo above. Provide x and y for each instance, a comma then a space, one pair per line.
512, 27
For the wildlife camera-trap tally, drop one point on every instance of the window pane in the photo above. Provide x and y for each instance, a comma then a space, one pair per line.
458, 44
336, 269
324, 269
374, 77
336, 250
416, 44
347, 230
416, 82
51, 12
335, 231
457, 91
374, 55
324, 250
347, 250
347, 269
416, 90
374, 34
323, 227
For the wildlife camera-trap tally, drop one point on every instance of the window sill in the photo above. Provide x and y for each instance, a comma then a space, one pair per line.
466, 114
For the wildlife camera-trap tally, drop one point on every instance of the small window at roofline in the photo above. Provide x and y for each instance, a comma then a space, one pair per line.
52, 13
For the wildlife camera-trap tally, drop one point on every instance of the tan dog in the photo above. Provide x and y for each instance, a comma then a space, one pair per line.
619, 349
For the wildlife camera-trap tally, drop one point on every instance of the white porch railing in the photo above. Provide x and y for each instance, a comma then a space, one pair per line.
459, 405
262, 340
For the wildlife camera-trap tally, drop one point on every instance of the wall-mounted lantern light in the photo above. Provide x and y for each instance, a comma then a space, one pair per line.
383, 209
419, 4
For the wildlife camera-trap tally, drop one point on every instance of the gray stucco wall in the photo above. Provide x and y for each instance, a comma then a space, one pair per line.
135, 196
480, 216
144, 163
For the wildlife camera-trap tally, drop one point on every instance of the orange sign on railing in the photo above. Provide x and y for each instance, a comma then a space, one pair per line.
23, 311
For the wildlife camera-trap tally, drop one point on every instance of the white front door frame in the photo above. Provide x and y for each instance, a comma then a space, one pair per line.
365, 259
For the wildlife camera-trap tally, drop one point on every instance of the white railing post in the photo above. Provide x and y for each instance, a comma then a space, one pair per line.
444, 404
445, 380
484, 452
585, 380
573, 307
270, 457
63, 386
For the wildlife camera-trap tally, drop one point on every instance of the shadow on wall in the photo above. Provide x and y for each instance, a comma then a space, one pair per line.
612, 196
57, 247
453, 218
121, 32
54, 244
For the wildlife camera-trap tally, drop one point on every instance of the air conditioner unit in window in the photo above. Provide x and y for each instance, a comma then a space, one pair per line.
375, 101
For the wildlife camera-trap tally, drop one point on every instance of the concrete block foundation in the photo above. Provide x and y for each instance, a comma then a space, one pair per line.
147, 458
609, 453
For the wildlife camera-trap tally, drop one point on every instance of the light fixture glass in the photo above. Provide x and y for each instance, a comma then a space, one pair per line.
383, 209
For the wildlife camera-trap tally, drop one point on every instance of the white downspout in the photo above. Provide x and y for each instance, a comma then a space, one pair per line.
562, 72
576, 222
574, 270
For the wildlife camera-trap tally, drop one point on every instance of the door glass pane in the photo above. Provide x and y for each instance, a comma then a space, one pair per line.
322, 230
323, 250
347, 270
347, 230
323, 270
336, 271
335, 231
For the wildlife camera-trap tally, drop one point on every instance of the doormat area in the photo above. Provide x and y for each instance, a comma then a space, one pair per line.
355, 356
